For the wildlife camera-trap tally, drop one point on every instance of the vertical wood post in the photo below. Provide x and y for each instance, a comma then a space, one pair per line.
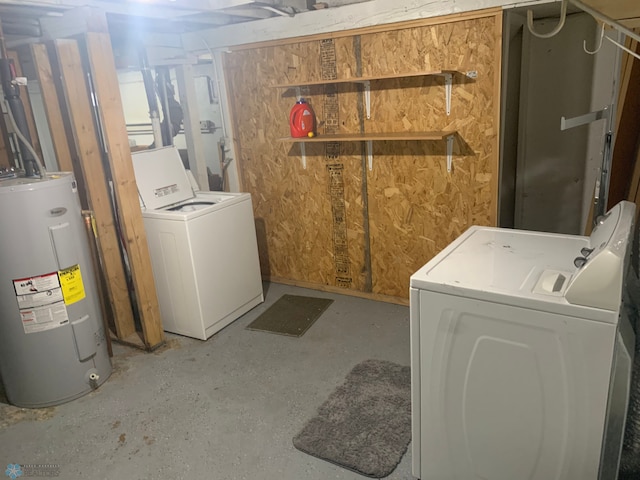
6, 155
623, 154
52, 107
111, 114
497, 88
86, 142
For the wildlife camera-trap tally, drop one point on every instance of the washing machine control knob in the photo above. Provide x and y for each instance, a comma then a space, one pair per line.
579, 261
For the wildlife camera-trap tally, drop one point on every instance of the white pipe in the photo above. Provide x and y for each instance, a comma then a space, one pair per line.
22, 138
93, 380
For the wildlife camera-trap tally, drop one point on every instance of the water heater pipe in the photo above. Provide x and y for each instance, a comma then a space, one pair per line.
25, 142
16, 111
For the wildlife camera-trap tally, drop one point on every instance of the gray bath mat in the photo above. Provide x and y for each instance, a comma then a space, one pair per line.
291, 315
365, 424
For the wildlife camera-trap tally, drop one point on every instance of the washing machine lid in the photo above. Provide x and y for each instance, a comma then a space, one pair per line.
161, 177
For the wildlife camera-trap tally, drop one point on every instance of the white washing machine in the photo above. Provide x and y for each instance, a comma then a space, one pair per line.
521, 355
203, 247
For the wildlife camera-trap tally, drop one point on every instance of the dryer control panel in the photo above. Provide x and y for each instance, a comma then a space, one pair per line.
601, 266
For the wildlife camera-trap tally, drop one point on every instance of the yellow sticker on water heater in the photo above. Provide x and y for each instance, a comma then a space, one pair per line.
71, 283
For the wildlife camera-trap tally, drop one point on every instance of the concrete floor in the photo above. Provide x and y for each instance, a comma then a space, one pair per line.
226, 408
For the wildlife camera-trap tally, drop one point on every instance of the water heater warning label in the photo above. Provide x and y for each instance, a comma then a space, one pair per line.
41, 302
71, 283
41, 283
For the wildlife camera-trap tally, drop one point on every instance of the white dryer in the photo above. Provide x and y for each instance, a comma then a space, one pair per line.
521, 355
203, 247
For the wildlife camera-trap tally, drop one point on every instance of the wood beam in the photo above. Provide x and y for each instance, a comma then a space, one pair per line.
618, 9
86, 141
339, 22
75, 153
626, 128
634, 187
111, 114
6, 154
52, 107
497, 88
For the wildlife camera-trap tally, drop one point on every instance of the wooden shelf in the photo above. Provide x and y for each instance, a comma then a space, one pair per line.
366, 83
363, 137
371, 137
366, 79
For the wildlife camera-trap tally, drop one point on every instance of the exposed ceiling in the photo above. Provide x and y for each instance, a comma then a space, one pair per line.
21, 18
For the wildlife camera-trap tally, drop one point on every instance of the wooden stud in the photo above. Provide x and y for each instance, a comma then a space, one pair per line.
634, 187
634, 184
6, 154
497, 72
628, 64
85, 137
628, 112
52, 107
107, 91
634, 194
26, 103
76, 165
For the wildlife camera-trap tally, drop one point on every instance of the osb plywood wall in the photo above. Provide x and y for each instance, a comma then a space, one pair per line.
336, 223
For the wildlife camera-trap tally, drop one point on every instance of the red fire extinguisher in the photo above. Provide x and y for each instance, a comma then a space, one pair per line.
302, 120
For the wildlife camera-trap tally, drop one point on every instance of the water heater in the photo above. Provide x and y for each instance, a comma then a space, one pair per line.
52, 341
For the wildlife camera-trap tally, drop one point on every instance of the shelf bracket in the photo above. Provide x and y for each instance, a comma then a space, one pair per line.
367, 97
448, 82
298, 94
303, 153
566, 123
449, 152
370, 153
